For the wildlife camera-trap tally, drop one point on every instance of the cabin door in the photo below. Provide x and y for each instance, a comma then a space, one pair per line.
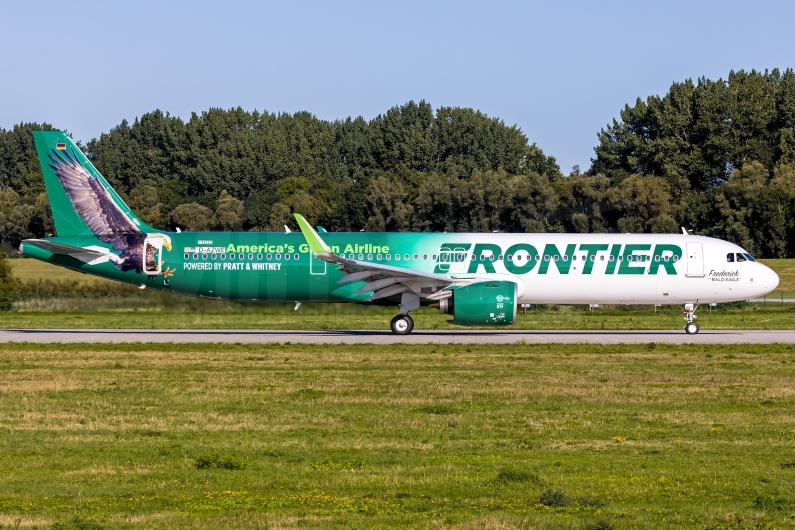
153, 249
316, 266
695, 259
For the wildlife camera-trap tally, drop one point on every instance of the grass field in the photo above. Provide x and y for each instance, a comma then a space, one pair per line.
474, 437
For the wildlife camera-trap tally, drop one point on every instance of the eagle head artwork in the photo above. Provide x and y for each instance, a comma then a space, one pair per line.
97, 208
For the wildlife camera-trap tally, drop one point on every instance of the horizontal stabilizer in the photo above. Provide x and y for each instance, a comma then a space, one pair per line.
91, 255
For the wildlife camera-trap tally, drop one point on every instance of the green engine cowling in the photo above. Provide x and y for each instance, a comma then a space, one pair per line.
489, 303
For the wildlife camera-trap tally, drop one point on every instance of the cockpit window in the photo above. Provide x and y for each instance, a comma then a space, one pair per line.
750, 258
730, 257
741, 257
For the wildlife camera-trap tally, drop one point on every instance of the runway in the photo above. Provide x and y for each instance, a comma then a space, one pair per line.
197, 336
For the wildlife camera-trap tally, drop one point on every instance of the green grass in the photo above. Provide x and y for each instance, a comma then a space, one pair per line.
288, 436
27, 269
785, 268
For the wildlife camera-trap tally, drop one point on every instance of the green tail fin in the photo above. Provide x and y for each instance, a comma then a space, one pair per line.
53, 146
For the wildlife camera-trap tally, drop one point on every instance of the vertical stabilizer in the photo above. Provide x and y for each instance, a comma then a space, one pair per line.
82, 202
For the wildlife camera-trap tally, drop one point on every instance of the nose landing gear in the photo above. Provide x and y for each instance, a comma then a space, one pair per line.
691, 328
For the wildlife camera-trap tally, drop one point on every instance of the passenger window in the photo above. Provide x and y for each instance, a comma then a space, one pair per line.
195, 256
268, 256
242, 256
406, 257
397, 257
223, 256
259, 257
378, 257
215, 256
593, 258
388, 257
369, 257
740, 258
295, 256
187, 256
251, 256
286, 256
278, 257
204, 256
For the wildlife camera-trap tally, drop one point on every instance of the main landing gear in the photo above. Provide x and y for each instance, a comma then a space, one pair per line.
691, 328
402, 324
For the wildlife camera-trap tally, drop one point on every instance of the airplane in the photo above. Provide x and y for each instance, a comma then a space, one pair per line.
480, 279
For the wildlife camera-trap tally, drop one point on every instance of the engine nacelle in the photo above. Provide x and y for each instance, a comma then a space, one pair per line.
489, 303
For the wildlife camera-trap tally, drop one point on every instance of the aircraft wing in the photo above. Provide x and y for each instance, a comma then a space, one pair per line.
383, 280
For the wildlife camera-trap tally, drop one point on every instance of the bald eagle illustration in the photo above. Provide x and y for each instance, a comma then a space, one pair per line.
95, 206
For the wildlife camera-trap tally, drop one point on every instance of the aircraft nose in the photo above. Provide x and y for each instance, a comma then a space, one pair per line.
768, 279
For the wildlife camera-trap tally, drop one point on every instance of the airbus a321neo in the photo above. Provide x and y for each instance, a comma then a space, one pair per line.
478, 278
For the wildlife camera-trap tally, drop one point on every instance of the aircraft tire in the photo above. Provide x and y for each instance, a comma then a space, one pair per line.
691, 328
402, 324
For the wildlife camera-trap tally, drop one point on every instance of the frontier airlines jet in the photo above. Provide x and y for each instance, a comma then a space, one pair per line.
478, 278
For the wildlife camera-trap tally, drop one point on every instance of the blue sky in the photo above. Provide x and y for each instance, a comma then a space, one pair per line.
559, 70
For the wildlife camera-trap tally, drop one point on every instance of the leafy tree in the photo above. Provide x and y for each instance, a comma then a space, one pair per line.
534, 204
644, 205
390, 210
7, 284
144, 202
698, 133
227, 213
584, 199
193, 217
433, 206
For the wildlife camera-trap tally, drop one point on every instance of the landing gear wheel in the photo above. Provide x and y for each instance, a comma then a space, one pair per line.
691, 328
402, 325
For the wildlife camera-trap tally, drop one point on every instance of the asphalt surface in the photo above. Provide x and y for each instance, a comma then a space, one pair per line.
386, 337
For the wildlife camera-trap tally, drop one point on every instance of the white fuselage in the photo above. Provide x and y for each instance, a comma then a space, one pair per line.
616, 268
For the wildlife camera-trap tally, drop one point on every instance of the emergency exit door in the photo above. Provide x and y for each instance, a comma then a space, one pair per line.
695, 259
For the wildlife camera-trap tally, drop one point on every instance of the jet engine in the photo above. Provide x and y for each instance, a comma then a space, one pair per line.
489, 303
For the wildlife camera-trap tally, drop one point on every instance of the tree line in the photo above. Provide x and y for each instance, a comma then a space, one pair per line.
717, 157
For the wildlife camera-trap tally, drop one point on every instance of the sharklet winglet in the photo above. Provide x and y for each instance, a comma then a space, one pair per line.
316, 245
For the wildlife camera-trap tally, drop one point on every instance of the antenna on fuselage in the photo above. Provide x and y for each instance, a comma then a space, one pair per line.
684, 232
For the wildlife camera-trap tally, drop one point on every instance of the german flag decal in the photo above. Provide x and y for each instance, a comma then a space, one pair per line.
60, 147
